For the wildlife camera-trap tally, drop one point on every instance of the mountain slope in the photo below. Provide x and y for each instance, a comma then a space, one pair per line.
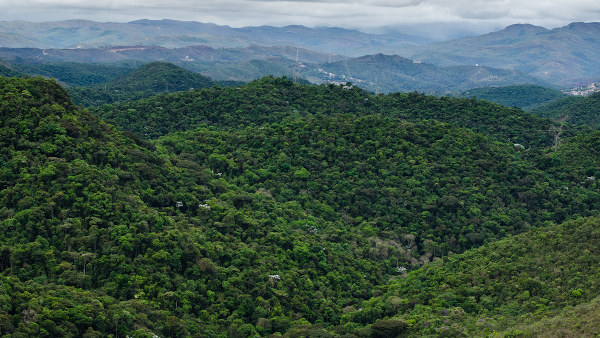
261, 220
150, 79
562, 55
7, 71
526, 97
176, 34
100, 231
495, 288
575, 110
77, 74
160, 77
391, 73
271, 99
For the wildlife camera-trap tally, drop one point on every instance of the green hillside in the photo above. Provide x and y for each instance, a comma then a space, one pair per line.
271, 99
147, 80
7, 71
160, 77
575, 110
526, 97
77, 74
514, 287
285, 208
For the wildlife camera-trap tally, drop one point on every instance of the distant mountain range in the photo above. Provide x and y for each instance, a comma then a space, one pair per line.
176, 34
376, 73
390, 73
190, 55
560, 57
565, 56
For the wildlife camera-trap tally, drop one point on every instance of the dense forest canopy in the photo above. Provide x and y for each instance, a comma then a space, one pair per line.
577, 110
526, 97
271, 99
275, 207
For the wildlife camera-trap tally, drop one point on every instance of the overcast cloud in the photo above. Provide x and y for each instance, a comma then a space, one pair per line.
343, 13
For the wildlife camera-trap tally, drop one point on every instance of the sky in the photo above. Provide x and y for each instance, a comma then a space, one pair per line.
361, 14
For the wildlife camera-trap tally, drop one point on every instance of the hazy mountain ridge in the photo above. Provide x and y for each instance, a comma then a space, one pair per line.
392, 73
564, 55
153, 53
175, 34
376, 73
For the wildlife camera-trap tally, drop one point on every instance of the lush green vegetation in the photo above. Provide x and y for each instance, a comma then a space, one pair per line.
76, 73
271, 99
148, 80
526, 97
7, 71
506, 284
278, 207
160, 77
574, 109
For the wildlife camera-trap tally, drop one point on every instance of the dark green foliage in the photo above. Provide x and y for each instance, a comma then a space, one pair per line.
272, 99
390, 177
526, 97
77, 74
515, 281
574, 110
150, 79
160, 77
284, 208
7, 71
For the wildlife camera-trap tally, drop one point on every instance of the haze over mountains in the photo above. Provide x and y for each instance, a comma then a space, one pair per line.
563, 57
176, 34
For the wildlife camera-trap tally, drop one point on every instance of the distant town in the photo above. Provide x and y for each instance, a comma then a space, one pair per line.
584, 90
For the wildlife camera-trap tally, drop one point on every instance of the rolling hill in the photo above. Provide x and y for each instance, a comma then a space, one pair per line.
77, 74
148, 80
6, 70
574, 109
279, 208
526, 97
159, 77
515, 287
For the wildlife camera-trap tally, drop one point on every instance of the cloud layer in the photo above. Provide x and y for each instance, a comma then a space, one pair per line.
345, 13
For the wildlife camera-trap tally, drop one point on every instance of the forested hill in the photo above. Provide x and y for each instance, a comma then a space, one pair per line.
7, 71
526, 97
575, 110
272, 99
148, 80
160, 77
74, 74
518, 287
274, 224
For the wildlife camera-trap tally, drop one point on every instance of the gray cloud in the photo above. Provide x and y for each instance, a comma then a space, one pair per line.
345, 13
